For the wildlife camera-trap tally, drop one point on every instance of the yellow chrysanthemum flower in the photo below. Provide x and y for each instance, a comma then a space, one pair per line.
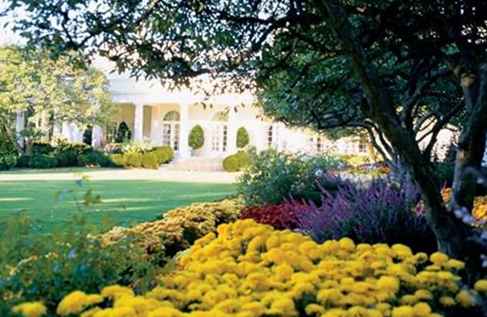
30, 309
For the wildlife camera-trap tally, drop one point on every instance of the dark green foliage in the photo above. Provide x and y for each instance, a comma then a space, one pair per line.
133, 159
196, 138
50, 266
273, 177
165, 154
88, 135
42, 148
444, 173
123, 133
24, 161
242, 138
236, 162
68, 154
8, 151
42, 161
95, 158
150, 160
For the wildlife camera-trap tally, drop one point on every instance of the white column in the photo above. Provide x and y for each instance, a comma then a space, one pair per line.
232, 127
156, 127
57, 130
19, 127
184, 126
139, 123
66, 131
97, 136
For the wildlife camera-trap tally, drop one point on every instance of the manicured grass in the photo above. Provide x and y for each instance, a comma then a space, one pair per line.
123, 202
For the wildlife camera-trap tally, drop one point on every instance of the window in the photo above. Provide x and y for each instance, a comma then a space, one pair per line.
362, 146
270, 134
170, 130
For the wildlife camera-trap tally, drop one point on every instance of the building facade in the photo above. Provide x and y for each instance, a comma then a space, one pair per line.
158, 116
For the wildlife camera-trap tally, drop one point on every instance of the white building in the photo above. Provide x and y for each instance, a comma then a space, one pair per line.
161, 117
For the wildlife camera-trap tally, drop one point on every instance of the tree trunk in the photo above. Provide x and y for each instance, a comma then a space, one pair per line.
453, 236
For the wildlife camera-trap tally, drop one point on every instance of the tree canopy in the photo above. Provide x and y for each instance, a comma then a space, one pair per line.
31, 81
398, 68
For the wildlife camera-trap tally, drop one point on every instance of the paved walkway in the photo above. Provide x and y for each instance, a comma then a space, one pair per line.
163, 174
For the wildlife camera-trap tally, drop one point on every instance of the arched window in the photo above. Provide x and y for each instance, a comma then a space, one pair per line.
172, 116
221, 116
170, 130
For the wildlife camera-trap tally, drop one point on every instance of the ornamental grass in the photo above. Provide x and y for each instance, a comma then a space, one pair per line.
249, 270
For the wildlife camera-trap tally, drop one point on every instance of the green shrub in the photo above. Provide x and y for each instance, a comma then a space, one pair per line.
242, 138
47, 267
42, 161
42, 148
24, 161
196, 138
95, 158
444, 173
8, 151
133, 159
150, 160
273, 177
68, 154
165, 154
118, 160
236, 162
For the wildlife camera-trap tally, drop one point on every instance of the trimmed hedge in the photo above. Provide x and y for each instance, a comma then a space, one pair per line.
236, 162
133, 159
43, 161
165, 154
95, 158
243, 138
196, 137
150, 160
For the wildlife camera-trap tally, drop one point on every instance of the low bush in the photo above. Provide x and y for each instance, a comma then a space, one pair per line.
24, 161
247, 269
42, 161
95, 159
42, 148
8, 150
165, 154
280, 216
38, 267
273, 177
133, 159
68, 154
236, 162
118, 160
178, 228
150, 160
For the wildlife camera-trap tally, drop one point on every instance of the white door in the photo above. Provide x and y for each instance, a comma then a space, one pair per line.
219, 138
170, 135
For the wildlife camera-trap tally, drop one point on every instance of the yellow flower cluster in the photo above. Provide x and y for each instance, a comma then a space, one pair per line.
168, 234
249, 270
479, 206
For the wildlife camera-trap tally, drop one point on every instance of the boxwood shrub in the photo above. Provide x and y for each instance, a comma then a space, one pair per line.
42, 161
150, 160
236, 162
164, 154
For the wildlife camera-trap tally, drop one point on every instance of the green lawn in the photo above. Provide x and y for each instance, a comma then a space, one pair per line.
123, 202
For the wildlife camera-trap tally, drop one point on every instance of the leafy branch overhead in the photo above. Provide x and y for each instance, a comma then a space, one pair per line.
403, 70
